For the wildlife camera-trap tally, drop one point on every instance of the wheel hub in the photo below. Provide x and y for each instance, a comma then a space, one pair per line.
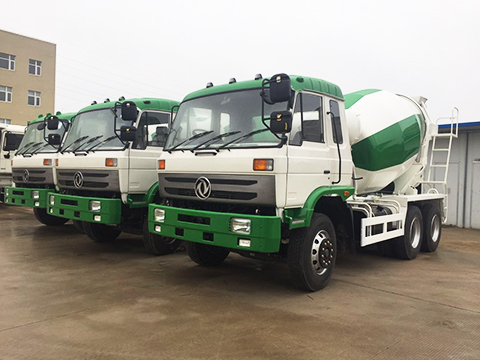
322, 254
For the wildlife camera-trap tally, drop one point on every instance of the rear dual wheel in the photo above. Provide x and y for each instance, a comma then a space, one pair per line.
408, 246
432, 228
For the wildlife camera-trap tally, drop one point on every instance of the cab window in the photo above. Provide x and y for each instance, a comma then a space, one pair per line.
146, 134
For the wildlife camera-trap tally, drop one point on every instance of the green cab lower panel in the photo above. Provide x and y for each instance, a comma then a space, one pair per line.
213, 228
26, 197
78, 208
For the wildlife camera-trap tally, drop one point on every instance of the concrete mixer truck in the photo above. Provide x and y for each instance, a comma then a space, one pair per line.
33, 164
290, 168
10, 138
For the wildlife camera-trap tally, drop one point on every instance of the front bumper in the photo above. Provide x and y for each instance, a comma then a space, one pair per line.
215, 230
78, 208
23, 197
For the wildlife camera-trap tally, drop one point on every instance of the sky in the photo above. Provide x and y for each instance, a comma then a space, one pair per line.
167, 49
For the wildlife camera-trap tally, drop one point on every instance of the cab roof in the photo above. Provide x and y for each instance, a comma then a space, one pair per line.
66, 116
298, 83
142, 104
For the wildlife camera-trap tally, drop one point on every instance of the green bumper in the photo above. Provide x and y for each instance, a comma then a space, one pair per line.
78, 208
24, 197
215, 228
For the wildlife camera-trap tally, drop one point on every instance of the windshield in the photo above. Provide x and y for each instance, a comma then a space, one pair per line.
34, 139
227, 120
93, 130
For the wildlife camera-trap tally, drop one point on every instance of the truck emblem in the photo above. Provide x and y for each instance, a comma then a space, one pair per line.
78, 180
203, 188
25, 176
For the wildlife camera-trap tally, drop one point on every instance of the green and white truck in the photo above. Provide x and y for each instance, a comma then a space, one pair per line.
10, 138
33, 164
290, 168
106, 170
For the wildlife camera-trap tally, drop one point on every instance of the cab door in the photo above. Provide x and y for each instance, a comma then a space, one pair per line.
145, 151
309, 156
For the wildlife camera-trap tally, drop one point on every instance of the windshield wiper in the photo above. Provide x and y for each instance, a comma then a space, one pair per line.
76, 141
40, 148
87, 142
101, 142
24, 148
251, 133
196, 136
33, 145
215, 138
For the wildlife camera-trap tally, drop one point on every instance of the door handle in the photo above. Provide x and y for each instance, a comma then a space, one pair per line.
326, 171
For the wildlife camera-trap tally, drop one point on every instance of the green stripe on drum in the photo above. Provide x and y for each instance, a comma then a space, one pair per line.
389, 147
352, 98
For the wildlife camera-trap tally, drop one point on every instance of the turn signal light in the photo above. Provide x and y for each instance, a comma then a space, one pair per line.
263, 164
161, 164
56, 162
110, 162
47, 162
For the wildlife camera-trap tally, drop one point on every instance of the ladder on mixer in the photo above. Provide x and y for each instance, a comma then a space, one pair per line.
442, 162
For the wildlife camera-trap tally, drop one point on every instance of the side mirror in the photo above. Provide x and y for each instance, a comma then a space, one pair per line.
54, 139
52, 122
280, 88
127, 133
129, 111
11, 142
161, 134
281, 122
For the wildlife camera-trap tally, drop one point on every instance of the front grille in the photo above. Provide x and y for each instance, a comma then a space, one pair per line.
25, 176
107, 180
252, 189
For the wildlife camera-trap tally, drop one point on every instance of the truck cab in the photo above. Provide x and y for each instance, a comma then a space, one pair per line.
10, 139
265, 168
106, 170
33, 165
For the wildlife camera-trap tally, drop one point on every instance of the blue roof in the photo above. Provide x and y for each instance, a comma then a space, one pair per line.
460, 125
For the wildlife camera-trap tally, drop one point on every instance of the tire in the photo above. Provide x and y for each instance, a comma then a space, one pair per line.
206, 255
78, 225
408, 246
100, 232
386, 248
432, 228
157, 244
46, 219
312, 253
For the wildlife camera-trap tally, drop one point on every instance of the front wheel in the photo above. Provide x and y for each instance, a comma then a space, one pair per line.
312, 253
157, 244
100, 232
206, 255
47, 219
432, 228
408, 246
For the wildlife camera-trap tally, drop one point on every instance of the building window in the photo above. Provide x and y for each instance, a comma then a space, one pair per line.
5, 121
35, 67
33, 98
7, 61
5, 93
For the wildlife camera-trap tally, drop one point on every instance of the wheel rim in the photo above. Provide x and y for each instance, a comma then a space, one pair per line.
435, 228
415, 230
322, 253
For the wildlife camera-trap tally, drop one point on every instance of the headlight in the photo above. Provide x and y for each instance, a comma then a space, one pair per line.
35, 194
7, 192
159, 215
52, 200
94, 205
240, 225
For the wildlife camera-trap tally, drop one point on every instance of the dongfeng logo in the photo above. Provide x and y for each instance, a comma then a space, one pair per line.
203, 188
78, 180
25, 176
